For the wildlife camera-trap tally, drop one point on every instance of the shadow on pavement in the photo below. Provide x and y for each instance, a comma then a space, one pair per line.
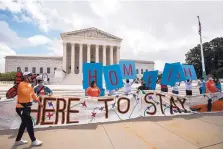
94, 126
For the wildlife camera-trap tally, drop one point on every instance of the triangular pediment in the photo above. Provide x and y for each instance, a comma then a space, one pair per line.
91, 33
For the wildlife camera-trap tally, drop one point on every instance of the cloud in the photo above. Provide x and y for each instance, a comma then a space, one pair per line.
151, 30
107, 7
39, 40
55, 47
10, 37
4, 50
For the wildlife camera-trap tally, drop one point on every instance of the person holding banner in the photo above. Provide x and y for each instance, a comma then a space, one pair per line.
93, 90
201, 85
218, 84
40, 89
188, 85
210, 86
143, 86
127, 86
25, 96
175, 88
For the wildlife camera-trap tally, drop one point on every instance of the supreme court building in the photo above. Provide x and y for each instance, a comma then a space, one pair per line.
86, 45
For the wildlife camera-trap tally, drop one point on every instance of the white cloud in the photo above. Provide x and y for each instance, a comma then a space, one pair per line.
158, 31
55, 47
105, 8
39, 40
4, 50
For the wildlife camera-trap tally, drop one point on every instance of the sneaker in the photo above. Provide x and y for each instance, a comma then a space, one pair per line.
21, 142
37, 143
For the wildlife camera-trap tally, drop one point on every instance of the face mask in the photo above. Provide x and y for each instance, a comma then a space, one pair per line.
42, 84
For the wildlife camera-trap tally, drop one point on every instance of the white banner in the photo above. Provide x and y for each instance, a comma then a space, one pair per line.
83, 110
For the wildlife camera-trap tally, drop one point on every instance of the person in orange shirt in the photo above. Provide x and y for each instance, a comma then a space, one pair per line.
93, 90
25, 96
210, 86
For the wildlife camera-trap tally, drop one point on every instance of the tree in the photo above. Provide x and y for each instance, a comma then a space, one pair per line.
213, 56
8, 76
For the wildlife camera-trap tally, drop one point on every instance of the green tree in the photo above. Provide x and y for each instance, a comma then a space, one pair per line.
213, 56
8, 76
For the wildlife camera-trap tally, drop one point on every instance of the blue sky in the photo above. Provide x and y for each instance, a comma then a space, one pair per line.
25, 30
151, 30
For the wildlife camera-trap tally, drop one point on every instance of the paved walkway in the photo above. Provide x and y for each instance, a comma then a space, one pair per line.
199, 131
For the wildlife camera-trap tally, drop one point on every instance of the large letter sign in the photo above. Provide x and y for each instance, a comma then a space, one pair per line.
92, 72
180, 74
128, 70
189, 72
113, 77
150, 78
170, 73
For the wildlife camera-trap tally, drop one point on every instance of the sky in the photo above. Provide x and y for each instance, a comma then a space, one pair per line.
159, 31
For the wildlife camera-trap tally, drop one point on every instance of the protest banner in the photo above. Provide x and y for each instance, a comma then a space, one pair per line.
113, 77
128, 70
150, 78
92, 72
60, 111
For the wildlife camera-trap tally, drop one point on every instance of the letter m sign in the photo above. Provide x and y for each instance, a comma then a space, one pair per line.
128, 70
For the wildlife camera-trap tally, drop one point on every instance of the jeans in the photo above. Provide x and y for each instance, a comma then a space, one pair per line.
26, 123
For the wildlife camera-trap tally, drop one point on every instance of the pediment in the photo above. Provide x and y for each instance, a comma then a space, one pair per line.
91, 33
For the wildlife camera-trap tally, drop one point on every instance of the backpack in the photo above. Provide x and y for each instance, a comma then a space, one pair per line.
12, 92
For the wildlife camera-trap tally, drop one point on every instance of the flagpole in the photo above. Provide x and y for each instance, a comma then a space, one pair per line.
202, 53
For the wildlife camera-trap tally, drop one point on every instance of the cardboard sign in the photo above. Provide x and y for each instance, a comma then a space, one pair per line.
92, 72
189, 72
180, 74
150, 78
128, 70
113, 77
170, 73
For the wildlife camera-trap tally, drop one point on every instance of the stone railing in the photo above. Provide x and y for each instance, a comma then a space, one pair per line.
6, 82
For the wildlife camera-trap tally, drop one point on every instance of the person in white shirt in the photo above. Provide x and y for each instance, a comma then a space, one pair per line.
175, 88
127, 86
188, 85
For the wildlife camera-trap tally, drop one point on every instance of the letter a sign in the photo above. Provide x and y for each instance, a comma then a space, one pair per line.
128, 70
113, 77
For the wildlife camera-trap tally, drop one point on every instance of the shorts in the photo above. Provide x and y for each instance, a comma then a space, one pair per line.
175, 92
164, 89
188, 92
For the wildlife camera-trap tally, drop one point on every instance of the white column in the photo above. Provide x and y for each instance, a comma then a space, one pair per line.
118, 54
104, 56
65, 56
88, 53
80, 58
97, 53
73, 58
111, 55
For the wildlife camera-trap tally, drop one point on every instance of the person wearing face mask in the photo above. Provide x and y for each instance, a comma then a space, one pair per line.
25, 97
42, 90
210, 86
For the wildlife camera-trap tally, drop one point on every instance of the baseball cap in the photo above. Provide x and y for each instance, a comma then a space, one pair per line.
27, 74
